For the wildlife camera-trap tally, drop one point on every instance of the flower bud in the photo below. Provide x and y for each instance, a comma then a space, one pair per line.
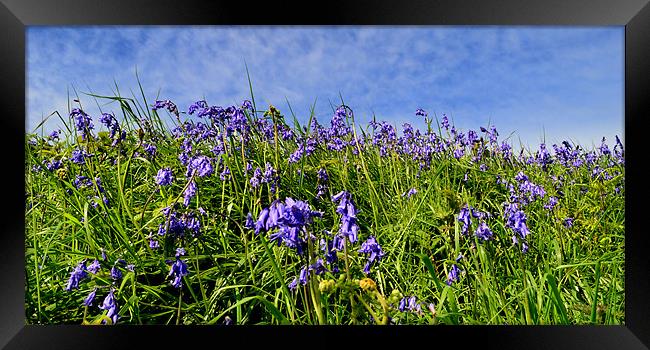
327, 286
368, 285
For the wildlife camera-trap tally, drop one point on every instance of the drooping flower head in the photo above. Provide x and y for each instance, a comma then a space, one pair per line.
111, 305
178, 269
164, 177
453, 275
348, 212
371, 248
89, 299
77, 275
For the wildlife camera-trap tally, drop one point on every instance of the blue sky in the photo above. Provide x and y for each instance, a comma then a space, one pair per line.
561, 82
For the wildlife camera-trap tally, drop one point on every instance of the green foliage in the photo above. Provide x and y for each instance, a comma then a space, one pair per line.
569, 275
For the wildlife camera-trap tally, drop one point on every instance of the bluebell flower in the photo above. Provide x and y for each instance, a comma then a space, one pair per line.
294, 284
250, 223
78, 156
465, 217
201, 166
445, 122
167, 104
94, 267
552, 202
111, 305
304, 276
453, 275
89, 299
348, 212
225, 174
164, 177
189, 193
178, 269
83, 123
374, 252
116, 274
54, 135
568, 222
483, 232
318, 267
409, 193
196, 106
76, 276
150, 149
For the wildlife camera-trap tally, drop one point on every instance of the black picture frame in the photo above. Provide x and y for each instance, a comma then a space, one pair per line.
15, 15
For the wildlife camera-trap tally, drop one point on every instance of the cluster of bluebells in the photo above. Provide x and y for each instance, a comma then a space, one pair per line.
79, 156
269, 176
465, 216
81, 272
116, 134
411, 304
454, 272
287, 222
168, 105
178, 268
177, 225
348, 228
374, 252
323, 179
164, 177
82, 121
516, 221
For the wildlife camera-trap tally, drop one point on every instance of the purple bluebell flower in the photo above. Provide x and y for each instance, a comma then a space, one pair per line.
318, 267
409, 193
198, 105
465, 217
89, 299
167, 104
164, 177
294, 284
246, 104
54, 135
116, 274
453, 275
225, 174
111, 305
483, 232
568, 222
52, 165
94, 267
189, 193
83, 123
178, 269
371, 248
348, 212
304, 275
78, 156
256, 179
76, 276
250, 223
150, 149
445, 122
552, 202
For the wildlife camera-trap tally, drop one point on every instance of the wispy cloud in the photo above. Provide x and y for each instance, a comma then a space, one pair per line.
564, 81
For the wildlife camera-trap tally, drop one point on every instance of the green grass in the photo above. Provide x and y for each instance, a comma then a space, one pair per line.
568, 276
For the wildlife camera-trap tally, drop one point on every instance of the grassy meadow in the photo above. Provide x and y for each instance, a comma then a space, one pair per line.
242, 215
